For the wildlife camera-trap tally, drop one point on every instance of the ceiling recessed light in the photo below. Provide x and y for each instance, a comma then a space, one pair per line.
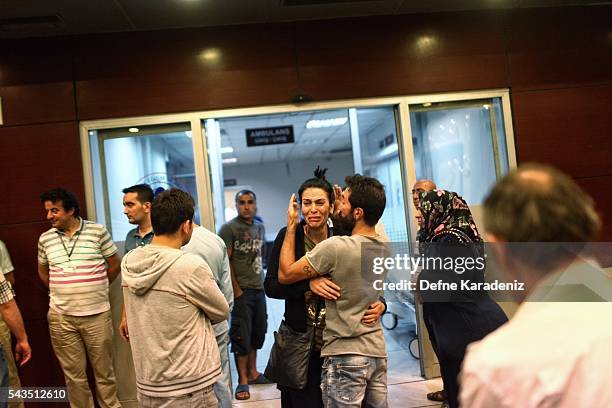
426, 44
321, 123
230, 160
427, 104
227, 149
210, 56
133, 130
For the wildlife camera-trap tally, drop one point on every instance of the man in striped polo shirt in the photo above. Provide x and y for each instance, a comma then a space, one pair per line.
77, 260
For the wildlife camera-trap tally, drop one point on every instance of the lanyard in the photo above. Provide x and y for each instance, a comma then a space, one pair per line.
75, 241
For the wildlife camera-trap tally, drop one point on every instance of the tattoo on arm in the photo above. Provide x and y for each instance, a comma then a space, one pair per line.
309, 272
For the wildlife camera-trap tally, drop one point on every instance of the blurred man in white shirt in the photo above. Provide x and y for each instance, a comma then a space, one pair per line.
555, 351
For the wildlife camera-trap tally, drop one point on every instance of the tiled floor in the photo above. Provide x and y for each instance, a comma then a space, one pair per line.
407, 388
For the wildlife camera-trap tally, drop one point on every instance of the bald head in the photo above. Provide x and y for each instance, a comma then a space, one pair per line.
535, 178
421, 186
540, 205
537, 203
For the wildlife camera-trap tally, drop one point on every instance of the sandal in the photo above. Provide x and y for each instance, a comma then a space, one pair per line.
261, 379
241, 390
439, 396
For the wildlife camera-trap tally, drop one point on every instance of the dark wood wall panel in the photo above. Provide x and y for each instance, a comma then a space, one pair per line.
559, 47
36, 60
600, 188
36, 81
37, 103
22, 242
408, 54
35, 158
567, 128
150, 73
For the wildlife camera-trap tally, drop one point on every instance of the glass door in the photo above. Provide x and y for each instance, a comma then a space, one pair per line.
462, 146
462, 141
159, 155
273, 153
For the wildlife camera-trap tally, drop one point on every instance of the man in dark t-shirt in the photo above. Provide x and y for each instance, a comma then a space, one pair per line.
137, 202
244, 238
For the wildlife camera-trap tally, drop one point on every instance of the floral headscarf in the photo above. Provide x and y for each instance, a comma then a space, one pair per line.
445, 211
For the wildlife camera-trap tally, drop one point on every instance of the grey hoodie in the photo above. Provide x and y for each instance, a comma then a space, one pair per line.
170, 299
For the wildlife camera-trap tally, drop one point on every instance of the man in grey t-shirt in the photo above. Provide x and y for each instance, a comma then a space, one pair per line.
244, 238
355, 353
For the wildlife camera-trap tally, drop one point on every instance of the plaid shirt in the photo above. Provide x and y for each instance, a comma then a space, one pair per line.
6, 291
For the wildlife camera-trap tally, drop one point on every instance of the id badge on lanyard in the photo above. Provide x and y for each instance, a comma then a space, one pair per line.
69, 268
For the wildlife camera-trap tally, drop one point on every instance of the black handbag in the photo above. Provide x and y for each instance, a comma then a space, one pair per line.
289, 357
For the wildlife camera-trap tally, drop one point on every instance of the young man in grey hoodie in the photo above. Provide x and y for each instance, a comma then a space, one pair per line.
171, 298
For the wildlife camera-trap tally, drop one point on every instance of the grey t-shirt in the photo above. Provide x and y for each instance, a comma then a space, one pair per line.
245, 240
341, 257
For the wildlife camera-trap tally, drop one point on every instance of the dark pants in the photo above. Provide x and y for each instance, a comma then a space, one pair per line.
310, 396
249, 322
4, 378
452, 327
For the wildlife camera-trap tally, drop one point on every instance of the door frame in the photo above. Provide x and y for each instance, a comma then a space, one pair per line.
401, 105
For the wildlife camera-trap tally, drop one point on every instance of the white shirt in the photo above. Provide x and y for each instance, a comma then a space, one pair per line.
550, 354
210, 247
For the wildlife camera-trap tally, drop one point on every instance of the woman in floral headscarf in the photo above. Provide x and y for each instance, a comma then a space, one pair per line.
455, 318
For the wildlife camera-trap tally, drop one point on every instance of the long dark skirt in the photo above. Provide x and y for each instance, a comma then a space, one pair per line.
310, 396
452, 327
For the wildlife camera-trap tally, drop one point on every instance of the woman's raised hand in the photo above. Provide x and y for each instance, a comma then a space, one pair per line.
293, 215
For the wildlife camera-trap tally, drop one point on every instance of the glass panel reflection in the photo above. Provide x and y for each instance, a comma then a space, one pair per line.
161, 156
461, 146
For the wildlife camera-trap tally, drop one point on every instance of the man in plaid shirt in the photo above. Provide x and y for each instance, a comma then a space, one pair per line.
11, 315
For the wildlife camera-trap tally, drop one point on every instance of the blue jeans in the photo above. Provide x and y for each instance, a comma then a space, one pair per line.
223, 386
354, 381
4, 378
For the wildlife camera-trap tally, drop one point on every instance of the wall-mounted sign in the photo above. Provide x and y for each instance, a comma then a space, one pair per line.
269, 136
386, 141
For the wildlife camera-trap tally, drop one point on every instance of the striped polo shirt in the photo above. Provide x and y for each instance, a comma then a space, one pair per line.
78, 283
